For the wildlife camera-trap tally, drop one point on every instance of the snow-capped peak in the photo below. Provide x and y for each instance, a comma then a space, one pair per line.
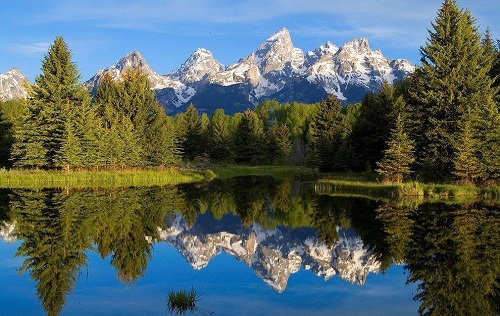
346, 72
197, 66
132, 60
276, 51
12, 85
359, 46
328, 48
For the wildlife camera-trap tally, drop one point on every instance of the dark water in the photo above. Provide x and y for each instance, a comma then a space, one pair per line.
248, 246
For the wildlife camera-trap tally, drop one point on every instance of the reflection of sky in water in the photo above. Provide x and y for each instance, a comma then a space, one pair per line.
226, 286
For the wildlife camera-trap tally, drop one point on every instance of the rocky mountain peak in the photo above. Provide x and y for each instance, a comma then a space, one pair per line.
132, 60
276, 51
356, 46
327, 49
197, 66
276, 70
12, 85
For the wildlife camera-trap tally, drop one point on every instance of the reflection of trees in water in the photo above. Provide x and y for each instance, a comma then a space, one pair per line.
396, 226
450, 250
453, 255
57, 228
53, 244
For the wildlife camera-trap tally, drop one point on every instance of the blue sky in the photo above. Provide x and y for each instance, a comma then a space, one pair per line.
167, 32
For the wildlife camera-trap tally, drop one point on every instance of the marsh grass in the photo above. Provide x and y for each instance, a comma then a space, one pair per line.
109, 178
180, 302
274, 171
409, 189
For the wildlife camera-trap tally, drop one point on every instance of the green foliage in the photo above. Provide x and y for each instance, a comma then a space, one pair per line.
54, 97
220, 137
398, 156
466, 163
372, 128
326, 133
280, 144
189, 131
182, 301
249, 142
488, 141
6, 139
453, 79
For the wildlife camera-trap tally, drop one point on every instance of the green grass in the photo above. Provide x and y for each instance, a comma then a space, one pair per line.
181, 301
274, 171
409, 189
79, 179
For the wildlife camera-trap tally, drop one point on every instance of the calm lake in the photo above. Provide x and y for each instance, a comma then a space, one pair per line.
247, 246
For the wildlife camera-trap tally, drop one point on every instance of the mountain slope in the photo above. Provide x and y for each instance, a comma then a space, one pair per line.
276, 70
13, 85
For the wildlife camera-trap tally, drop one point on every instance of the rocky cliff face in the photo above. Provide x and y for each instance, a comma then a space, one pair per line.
273, 254
13, 85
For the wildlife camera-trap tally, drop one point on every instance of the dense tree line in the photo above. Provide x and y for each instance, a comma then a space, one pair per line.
441, 123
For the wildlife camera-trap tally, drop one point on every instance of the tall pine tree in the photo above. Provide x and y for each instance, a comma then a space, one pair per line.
453, 79
327, 135
55, 95
249, 140
398, 156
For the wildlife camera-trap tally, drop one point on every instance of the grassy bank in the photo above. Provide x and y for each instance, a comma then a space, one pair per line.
274, 171
77, 179
409, 189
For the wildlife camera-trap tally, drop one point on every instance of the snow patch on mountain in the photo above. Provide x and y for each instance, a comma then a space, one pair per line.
276, 64
200, 64
13, 85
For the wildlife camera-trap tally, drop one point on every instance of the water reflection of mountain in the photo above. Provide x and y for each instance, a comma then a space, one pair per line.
449, 249
274, 254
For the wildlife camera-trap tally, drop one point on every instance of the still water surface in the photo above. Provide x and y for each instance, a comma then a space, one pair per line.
248, 246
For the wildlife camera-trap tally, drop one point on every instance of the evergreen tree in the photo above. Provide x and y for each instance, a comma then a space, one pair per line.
219, 137
6, 139
453, 78
327, 135
398, 156
249, 139
139, 104
71, 152
280, 143
162, 147
377, 116
191, 133
488, 139
492, 52
466, 163
55, 95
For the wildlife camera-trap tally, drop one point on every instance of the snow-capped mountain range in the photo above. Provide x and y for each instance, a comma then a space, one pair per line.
276, 70
273, 254
13, 85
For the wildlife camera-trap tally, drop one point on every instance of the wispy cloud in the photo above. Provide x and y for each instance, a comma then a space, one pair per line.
30, 49
383, 19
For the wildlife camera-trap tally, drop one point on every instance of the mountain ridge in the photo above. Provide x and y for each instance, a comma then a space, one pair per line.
275, 70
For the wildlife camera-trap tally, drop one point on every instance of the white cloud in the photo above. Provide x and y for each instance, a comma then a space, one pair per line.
381, 19
31, 49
